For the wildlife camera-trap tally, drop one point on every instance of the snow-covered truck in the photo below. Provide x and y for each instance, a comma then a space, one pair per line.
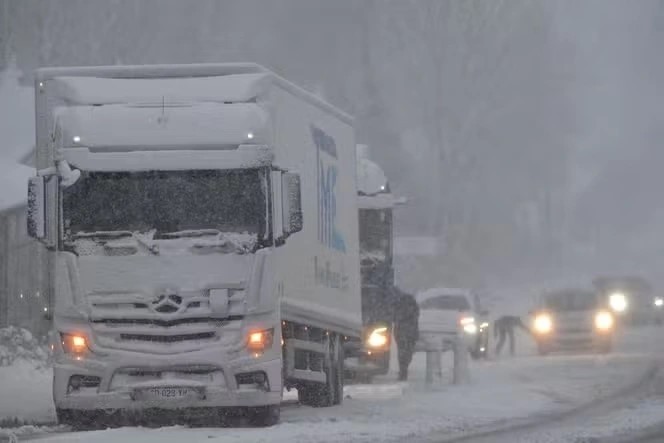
203, 237
376, 203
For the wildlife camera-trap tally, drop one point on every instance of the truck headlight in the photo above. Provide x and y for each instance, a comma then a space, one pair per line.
378, 338
468, 325
543, 324
470, 328
75, 344
603, 321
259, 341
618, 302
658, 302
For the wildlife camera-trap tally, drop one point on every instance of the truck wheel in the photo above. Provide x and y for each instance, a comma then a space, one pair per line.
77, 420
264, 416
331, 392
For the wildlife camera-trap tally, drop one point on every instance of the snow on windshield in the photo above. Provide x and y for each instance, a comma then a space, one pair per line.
166, 202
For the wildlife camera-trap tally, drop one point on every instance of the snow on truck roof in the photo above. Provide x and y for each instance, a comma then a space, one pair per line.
227, 82
372, 185
97, 91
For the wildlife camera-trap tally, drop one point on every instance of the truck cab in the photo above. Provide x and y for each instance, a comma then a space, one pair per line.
371, 355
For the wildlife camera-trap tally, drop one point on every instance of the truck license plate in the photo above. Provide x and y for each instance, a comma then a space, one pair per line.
170, 393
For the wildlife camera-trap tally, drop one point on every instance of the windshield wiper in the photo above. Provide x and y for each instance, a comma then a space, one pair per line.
188, 233
153, 249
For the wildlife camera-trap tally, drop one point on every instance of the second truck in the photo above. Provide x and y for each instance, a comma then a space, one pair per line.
371, 355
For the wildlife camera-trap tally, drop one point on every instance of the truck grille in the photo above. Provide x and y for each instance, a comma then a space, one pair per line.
174, 323
162, 323
168, 338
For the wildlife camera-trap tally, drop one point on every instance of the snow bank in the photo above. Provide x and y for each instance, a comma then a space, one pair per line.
25, 378
25, 393
20, 344
17, 129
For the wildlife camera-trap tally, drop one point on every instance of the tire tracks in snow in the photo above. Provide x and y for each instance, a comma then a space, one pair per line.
526, 424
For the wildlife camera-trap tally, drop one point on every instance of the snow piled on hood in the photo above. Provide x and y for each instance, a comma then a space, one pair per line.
17, 129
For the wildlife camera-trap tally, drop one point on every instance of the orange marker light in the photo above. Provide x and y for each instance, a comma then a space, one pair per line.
74, 344
259, 341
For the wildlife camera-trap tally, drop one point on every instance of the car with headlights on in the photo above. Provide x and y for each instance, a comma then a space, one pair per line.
445, 315
573, 319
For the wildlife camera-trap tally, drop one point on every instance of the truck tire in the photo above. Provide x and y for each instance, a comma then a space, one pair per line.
320, 395
76, 419
264, 416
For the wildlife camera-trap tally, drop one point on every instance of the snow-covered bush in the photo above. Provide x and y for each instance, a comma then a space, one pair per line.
18, 343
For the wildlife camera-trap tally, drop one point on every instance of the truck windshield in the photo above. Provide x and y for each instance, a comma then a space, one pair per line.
167, 202
375, 235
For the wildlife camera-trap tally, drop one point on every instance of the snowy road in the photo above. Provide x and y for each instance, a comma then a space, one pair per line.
501, 393
620, 419
633, 416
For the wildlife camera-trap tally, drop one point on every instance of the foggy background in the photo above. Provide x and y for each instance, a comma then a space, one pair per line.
525, 134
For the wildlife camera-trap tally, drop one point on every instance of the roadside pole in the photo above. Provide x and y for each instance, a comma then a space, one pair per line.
460, 366
433, 366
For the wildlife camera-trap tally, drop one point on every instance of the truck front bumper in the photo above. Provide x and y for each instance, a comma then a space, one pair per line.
129, 380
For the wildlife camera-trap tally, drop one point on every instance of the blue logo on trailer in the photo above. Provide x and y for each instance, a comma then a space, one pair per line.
326, 150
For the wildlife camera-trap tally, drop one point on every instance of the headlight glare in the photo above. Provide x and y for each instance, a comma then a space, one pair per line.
470, 328
543, 324
378, 338
618, 302
604, 321
75, 344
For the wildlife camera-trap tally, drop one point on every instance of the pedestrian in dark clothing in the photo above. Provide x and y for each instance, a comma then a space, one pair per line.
406, 331
504, 328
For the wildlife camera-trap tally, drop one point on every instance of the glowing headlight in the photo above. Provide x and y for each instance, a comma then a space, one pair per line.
603, 320
378, 338
468, 325
618, 302
543, 323
470, 328
74, 343
659, 302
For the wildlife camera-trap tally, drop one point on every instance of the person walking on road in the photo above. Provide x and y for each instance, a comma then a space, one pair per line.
503, 328
406, 330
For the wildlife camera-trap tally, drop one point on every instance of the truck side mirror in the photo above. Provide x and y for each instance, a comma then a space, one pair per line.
292, 201
36, 219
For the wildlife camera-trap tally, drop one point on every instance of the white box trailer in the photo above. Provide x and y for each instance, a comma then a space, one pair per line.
203, 237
